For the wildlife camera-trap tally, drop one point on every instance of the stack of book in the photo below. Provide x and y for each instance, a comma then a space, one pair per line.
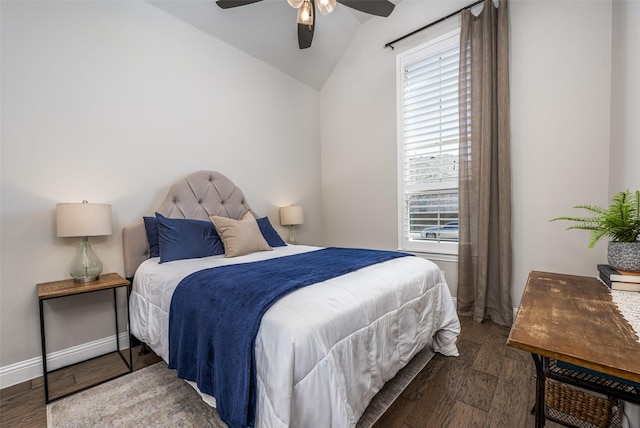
619, 280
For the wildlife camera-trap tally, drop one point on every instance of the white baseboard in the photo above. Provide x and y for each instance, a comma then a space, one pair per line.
32, 368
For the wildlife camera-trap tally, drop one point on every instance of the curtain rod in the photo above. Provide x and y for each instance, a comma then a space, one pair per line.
390, 44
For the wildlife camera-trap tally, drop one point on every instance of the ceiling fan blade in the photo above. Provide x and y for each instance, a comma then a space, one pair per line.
226, 4
374, 7
305, 32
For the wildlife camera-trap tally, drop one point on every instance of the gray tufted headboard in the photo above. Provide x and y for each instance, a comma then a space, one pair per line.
196, 197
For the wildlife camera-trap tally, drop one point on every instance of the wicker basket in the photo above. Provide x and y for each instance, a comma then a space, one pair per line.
595, 411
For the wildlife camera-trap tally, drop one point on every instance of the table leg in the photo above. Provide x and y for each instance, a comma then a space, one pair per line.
129, 331
539, 406
115, 305
115, 308
44, 354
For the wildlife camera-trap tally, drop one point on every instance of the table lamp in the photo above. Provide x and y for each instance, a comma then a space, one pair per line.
291, 216
84, 220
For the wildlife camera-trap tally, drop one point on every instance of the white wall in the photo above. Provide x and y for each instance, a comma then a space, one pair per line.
561, 74
113, 102
625, 98
560, 102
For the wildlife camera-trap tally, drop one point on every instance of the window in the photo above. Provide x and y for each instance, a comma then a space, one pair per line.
428, 134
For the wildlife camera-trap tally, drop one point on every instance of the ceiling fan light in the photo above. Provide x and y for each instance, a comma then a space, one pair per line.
305, 13
295, 3
326, 6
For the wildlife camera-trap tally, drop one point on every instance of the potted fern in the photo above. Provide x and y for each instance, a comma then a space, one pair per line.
621, 223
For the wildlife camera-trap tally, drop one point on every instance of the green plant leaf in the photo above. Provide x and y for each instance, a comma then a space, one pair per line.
620, 221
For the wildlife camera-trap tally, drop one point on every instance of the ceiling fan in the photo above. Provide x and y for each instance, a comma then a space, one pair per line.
307, 16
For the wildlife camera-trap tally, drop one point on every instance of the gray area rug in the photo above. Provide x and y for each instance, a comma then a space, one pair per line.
155, 397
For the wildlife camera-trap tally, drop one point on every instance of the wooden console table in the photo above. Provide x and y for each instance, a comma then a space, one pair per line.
573, 319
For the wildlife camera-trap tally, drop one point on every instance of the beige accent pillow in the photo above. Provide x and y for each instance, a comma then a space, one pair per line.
240, 237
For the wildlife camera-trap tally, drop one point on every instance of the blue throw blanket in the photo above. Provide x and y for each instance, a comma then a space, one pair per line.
215, 316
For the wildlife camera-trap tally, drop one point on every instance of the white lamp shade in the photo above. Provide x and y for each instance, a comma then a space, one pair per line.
291, 215
83, 219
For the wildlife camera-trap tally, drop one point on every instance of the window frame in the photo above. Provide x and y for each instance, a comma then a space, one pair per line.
442, 250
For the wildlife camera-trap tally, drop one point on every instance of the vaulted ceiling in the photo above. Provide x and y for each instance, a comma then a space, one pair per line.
267, 30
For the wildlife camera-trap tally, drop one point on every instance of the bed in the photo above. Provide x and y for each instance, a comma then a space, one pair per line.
322, 351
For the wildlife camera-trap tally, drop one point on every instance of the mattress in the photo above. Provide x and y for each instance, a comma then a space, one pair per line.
323, 351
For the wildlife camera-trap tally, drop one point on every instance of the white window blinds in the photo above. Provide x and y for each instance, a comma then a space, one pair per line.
428, 146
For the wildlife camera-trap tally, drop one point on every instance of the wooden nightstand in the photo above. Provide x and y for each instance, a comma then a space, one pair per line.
65, 288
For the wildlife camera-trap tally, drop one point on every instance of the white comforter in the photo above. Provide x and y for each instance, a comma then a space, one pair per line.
323, 351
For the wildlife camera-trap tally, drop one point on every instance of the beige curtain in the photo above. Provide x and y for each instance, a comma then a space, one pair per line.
484, 254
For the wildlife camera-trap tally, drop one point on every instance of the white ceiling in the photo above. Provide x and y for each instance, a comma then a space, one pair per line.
268, 31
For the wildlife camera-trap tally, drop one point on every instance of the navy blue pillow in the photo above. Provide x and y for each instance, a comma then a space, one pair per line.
269, 233
151, 226
187, 239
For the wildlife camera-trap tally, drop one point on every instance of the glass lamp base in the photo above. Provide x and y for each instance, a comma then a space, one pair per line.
83, 279
292, 235
85, 266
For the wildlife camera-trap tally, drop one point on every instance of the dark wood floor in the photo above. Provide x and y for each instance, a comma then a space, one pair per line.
23, 405
488, 385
